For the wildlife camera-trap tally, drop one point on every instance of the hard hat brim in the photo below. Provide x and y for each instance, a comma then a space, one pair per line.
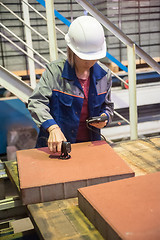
87, 55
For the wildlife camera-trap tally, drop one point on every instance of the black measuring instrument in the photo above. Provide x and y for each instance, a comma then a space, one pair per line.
65, 150
97, 120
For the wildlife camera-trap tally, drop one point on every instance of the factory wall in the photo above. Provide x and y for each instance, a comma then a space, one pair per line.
139, 19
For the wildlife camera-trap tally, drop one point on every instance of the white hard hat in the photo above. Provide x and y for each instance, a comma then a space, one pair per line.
86, 38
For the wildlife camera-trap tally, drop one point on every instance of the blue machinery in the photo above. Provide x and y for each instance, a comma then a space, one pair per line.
13, 114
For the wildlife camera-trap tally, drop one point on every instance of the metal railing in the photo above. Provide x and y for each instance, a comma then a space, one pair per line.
118, 33
30, 51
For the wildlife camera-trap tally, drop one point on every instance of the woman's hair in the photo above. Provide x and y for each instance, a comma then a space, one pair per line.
70, 56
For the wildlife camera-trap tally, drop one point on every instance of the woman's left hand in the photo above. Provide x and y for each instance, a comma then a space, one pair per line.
99, 124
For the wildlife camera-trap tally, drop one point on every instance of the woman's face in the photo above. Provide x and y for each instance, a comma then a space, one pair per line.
86, 64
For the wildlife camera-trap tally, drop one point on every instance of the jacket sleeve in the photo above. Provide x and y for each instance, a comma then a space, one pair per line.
108, 106
38, 103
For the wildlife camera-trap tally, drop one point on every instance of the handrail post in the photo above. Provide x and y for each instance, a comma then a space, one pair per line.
51, 30
132, 91
28, 36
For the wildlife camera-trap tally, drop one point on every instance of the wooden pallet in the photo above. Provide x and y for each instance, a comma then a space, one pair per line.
142, 155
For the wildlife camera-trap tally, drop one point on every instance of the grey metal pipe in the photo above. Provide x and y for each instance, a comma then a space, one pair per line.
42, 65
29, 5
28, 36
120, 116
51, 30
132, 92
7, 29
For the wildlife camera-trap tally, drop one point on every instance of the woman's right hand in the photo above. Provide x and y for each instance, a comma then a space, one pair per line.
55, 138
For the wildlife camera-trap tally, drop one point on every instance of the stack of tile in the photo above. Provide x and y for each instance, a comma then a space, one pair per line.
128, 209
45, 177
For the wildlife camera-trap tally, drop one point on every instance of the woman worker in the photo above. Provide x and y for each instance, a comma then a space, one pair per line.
70, 91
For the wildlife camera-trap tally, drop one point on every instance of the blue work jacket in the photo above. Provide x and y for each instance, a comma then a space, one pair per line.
58, 99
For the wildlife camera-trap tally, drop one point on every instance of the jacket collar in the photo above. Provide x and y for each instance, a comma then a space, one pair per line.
69, 73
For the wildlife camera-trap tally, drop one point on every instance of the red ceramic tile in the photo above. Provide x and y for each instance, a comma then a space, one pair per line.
127, 209
52, 178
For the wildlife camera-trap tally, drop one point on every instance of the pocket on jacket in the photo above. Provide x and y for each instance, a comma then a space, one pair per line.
98, 104
66, 99
99, 100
